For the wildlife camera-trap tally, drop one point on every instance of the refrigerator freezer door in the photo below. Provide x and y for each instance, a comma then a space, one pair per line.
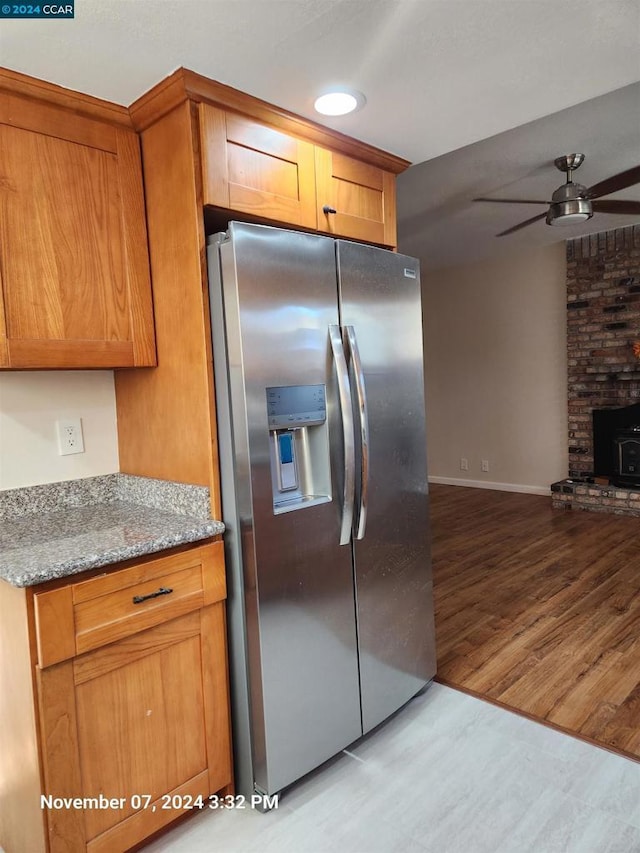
296, 581
380, 298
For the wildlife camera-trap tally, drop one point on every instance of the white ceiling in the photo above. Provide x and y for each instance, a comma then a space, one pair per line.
438, 74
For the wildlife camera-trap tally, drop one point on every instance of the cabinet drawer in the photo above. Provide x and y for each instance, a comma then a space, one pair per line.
89, 614
135, 606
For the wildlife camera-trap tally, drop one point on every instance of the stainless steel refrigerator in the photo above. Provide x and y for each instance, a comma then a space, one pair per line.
317, 347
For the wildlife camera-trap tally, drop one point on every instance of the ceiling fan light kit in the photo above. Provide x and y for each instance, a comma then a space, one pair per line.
569, 212
572, 202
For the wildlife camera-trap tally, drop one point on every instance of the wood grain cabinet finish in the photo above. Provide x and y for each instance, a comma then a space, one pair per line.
74, 265
252, 168
361, 198
131, 695
208, 146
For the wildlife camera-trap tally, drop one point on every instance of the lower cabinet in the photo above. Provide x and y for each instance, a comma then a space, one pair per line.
133, 730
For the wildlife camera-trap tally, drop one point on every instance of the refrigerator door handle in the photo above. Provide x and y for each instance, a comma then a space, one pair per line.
363, 418
344, 394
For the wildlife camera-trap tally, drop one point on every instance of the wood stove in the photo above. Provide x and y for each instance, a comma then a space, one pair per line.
616, 444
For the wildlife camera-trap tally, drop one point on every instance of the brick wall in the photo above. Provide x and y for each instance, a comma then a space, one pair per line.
603, 320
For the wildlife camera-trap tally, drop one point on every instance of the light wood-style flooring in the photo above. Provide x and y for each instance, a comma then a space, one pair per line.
539, 610
447, 774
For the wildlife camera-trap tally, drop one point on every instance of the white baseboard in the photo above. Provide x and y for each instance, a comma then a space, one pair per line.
499, 487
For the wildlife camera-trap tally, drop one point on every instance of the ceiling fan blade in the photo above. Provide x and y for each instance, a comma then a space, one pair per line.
513, 200
615, 183
615, 206
522, 225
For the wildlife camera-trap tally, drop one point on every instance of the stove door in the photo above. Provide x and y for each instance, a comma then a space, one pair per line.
628, 455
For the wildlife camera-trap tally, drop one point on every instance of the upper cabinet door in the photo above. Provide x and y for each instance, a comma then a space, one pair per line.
362, 196
74, 265
252, 168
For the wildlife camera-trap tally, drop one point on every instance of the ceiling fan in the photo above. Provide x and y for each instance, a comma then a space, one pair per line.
573, 202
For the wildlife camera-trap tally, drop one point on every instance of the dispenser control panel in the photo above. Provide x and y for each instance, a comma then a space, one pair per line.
290, 406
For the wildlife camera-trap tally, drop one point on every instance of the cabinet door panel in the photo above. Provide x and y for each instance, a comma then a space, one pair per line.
256, 169
60, 195
74, 266
147, 715
362, 195
123, 719
253, 171
361, 201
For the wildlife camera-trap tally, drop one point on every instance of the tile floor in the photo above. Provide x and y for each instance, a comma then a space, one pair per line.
448, 774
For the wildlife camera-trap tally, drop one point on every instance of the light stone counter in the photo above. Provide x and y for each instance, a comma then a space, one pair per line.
61, 529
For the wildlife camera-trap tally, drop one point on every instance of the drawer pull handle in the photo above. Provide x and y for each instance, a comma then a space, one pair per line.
138, 599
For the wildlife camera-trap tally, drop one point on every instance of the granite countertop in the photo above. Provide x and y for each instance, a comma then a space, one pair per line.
62, 529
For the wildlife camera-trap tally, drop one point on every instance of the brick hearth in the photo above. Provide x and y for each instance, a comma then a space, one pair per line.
568, 494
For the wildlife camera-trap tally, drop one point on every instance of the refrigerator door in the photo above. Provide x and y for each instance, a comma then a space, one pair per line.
296, 701
380, 299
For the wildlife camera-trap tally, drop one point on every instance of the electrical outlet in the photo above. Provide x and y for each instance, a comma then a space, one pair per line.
70, 438
484, 465
464, 463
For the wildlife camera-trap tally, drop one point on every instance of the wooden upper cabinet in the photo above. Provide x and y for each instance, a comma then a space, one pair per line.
252, 168
363, 197
74, 265
267, 163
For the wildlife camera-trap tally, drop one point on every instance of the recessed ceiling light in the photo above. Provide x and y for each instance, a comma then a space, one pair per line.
339, 103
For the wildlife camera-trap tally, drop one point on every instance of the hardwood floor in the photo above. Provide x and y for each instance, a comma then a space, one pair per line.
539, 610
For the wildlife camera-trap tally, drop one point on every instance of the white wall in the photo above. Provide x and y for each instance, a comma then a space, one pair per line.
496, 370
495, 354
30, 403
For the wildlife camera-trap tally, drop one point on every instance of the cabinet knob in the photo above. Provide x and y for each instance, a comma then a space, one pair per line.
328, 209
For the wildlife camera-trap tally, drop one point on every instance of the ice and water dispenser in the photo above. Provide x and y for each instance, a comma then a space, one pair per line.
300, 470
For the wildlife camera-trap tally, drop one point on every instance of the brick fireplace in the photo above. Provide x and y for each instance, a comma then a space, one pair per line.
603, 322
